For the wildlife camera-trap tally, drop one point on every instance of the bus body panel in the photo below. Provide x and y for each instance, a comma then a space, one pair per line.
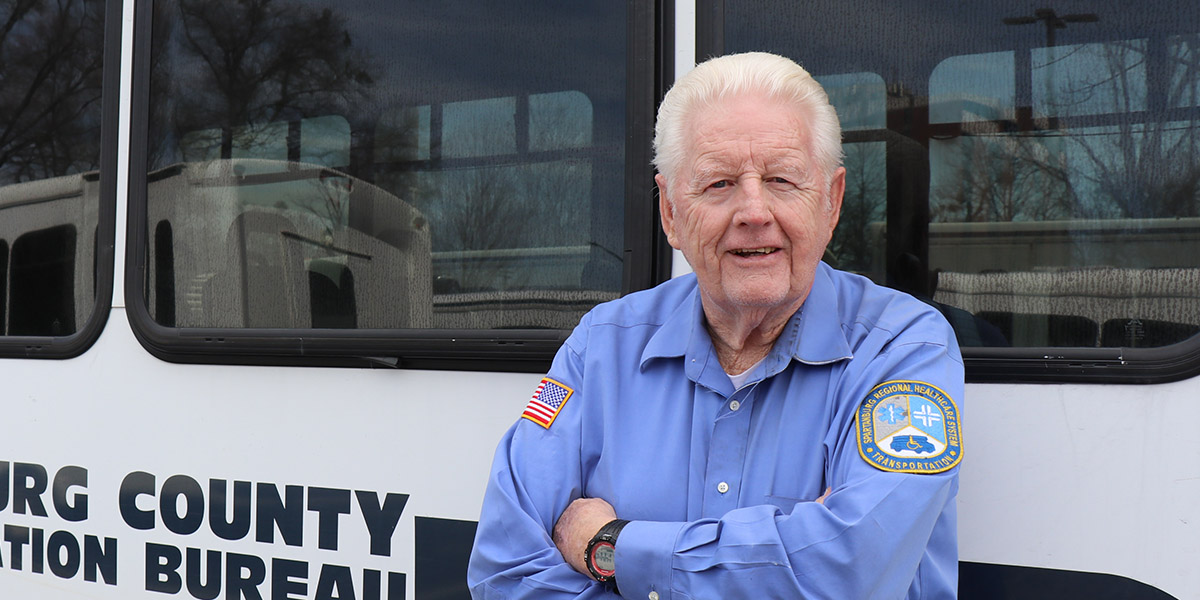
1092, 478
117, 411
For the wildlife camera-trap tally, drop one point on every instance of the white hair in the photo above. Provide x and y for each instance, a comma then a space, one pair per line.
713, 80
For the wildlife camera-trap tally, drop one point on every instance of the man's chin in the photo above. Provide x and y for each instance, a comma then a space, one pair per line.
759, 298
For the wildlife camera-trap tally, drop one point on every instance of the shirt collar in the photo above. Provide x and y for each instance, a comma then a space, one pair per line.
812, 336
683, 335
674, 337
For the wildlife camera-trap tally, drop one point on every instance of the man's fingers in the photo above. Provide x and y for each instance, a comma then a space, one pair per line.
576, 526
828, 491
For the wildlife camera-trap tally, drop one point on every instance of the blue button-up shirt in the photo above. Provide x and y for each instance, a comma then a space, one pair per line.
720, 483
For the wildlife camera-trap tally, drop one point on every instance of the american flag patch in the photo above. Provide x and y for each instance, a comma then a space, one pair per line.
547, 400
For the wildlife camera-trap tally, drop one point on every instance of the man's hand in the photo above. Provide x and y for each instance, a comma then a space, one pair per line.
576, 526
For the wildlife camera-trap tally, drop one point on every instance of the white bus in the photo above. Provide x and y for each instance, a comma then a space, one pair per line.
275, 275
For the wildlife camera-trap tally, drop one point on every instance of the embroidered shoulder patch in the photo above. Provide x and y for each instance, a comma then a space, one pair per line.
548, 399
909, 427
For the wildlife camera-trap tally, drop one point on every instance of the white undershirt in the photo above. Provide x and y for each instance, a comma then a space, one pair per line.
740, 379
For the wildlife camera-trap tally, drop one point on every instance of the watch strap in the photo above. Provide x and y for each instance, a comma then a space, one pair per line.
607, 535
612, 529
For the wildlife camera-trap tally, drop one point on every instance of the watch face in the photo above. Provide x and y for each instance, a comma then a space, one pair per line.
604, 558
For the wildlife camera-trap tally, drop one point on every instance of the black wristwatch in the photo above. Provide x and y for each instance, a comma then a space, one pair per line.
601, 554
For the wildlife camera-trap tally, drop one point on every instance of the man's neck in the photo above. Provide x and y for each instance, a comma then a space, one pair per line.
743, 338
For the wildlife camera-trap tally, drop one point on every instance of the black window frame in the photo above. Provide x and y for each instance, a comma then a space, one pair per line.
645, 257
78, 342
1028, 364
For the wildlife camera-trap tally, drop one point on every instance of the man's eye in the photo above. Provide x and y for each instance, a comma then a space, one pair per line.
779, 180
720, 184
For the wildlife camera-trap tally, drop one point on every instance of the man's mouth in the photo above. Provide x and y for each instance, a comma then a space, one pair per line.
755, 251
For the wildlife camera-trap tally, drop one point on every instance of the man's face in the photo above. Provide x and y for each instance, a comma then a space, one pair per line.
749, 207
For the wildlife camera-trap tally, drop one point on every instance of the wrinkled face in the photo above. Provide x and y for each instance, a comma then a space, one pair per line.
749, 207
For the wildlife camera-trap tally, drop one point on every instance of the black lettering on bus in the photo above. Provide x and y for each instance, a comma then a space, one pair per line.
74, 508
381, 519
218, 509
287, 513
328, 504
211, 588
175, 487
29, 483
244, 573
138, 483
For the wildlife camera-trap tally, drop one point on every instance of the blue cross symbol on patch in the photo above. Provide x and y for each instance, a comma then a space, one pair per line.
909, 427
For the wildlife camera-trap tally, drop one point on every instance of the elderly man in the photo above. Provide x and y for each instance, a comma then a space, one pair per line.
767, 428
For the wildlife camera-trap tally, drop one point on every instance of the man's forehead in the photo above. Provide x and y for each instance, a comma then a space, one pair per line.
791, 159
718, 137
718, 122
737, 156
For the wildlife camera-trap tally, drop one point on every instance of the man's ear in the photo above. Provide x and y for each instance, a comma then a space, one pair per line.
666, 209
837, 189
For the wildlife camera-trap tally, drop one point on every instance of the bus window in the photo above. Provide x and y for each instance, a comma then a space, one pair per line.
3, 284
50, 63
1185, 84
381, 165
1039, 170
1081, 229
861, 103
43, 271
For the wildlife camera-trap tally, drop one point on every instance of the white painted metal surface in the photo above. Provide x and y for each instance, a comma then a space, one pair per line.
116, 410
1096, 478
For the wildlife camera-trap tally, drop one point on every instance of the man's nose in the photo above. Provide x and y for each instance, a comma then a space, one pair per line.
754, 203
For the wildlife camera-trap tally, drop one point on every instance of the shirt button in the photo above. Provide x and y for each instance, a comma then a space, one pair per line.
735, 405
653, 596
722, 487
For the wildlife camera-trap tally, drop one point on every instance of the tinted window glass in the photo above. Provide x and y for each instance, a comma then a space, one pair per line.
43, 273
1033, 173
50, 69
368, 164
